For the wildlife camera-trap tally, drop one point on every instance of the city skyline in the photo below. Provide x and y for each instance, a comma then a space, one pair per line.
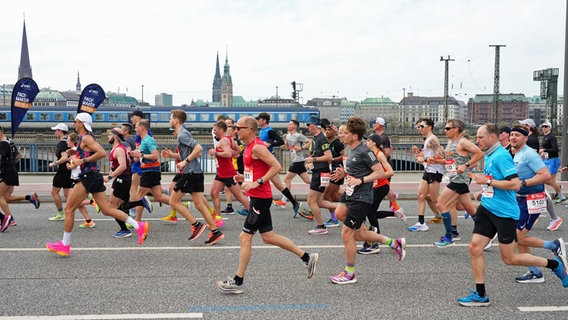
352, 49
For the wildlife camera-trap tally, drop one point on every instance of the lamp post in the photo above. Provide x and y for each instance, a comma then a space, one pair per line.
142, 94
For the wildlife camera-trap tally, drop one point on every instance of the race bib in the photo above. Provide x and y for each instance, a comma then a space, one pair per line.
451, 167
344, 161
487, 191
248, 174
536, 203
324, 179
348, 188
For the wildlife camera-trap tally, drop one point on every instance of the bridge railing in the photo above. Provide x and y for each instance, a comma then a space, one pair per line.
37, 156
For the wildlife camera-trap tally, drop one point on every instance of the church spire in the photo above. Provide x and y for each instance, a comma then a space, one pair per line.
226, 85
217, 82
78, 85
25, 69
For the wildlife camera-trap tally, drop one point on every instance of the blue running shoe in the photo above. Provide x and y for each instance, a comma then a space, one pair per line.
331, 223
560, 247
122, 234
474, 300
34, 199
297, 208
444, 242
243, 212
147, 204
530, 277
560, 271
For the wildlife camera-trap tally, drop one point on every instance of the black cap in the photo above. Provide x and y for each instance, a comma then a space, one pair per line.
375, 138
505, 129
137, 113
263, 115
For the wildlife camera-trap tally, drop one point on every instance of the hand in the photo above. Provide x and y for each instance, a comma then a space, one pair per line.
211, 152
338, 174
166, 153
181, 164
352, 181
105, 179
52, 164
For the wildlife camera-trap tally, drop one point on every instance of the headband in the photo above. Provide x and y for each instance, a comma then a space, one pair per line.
519, 130
117, 133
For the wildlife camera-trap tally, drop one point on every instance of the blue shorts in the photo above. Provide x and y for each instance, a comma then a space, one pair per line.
526, 220
135, 168
552, 164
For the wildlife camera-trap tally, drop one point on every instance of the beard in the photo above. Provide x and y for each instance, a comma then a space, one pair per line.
111, 140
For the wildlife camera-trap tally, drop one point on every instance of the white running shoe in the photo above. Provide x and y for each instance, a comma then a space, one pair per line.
418, 227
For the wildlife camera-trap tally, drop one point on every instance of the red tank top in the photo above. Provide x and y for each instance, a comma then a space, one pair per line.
380, 182
256, 169
114, 161
225, 168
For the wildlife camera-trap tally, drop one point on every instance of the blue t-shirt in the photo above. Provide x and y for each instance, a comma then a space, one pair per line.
147, 145
500, 166
527, 163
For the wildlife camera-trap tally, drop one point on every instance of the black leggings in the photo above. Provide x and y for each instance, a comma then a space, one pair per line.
373, 215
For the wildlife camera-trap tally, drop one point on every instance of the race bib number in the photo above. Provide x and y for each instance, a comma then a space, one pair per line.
344, 161
348, 188
248, 174
324, 179
451, 167
536, 203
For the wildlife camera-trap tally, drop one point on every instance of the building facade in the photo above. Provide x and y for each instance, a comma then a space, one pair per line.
512, 107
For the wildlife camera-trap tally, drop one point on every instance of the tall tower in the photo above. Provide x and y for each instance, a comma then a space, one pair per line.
78, 84
217, 83
226, 85
25, 69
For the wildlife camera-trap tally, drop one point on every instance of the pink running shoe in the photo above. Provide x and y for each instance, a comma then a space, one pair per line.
142, 231
59, 248
219, 221
343, 278
400, 248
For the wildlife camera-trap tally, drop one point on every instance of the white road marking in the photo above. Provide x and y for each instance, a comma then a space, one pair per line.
112, 316
543, 309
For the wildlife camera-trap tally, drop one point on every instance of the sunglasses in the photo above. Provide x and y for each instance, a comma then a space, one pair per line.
448, 128
545, 126
423, 126
239, 128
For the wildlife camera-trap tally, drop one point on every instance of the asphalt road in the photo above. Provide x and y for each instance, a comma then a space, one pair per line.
170, 277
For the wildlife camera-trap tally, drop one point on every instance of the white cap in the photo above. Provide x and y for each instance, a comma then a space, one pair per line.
61, 126
528, 122
86, 119
380, 121
546, 123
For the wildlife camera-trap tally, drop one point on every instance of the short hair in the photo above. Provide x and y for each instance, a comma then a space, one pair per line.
429, 122
492, 129
180, 115
357, 125
457, 124
145, 123
73, 137
128, 127
229, 119
250, 122
221, 125
295, 122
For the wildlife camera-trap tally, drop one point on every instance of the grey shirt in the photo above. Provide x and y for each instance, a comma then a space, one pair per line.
296, 139
186, 144
358, 165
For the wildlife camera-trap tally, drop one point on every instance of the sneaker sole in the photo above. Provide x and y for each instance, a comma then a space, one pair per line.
63, 254
475, 304
215, 241
439, 245
145, 234
127, 235
233, 291
562, 247
198, 233
313, 264
534, 280
354, 280
555, 227
366, 253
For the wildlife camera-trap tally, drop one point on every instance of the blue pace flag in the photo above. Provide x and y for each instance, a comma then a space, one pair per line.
23, 95
91, 97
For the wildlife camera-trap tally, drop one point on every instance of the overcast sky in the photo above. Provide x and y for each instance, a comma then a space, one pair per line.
346, 48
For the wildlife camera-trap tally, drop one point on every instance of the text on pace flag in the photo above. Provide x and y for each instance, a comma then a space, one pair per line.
23, 95
91, 97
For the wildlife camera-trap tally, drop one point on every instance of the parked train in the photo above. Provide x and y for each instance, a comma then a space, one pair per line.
197, 117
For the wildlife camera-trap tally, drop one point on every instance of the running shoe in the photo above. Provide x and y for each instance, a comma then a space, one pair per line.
5, 223
279, 203
560, 197
418, 227
129, 226
219, 221
59, 248
343, 278
214, 237
369, 249
456, 236
34, 199
229, 286
122, 234
228, 210
297, 208
196, 231
444, 242
170, 218
560, 247
530, 277
87, 224
57, 217
560, 271
554, 224
436, 220
13, 222
400, 214
242, 212
400, 248
142, 231
147, 204
318, 230
331, 223
474, 300
306, 213
466, 215
93, 203
312, 264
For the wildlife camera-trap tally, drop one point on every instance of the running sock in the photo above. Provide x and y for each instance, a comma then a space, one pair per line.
28, 197
284, 199
552, 264
350, 269
60, 210
332, 214
395, 205
238, 280
421, 219
550, 208
549, 245
306, 257
480, 288
454, 229
447, 223
173, 213
66, 238
132, 222
121, 224
289, 195
389, 242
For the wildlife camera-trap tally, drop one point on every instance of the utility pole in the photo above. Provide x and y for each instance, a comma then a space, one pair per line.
446, 72
496, 83
564, 152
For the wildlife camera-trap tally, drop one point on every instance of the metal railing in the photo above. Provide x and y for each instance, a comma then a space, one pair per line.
37, 156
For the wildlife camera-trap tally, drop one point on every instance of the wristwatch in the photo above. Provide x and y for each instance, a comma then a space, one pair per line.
524, 183
109, 177
488, 182
259, 181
